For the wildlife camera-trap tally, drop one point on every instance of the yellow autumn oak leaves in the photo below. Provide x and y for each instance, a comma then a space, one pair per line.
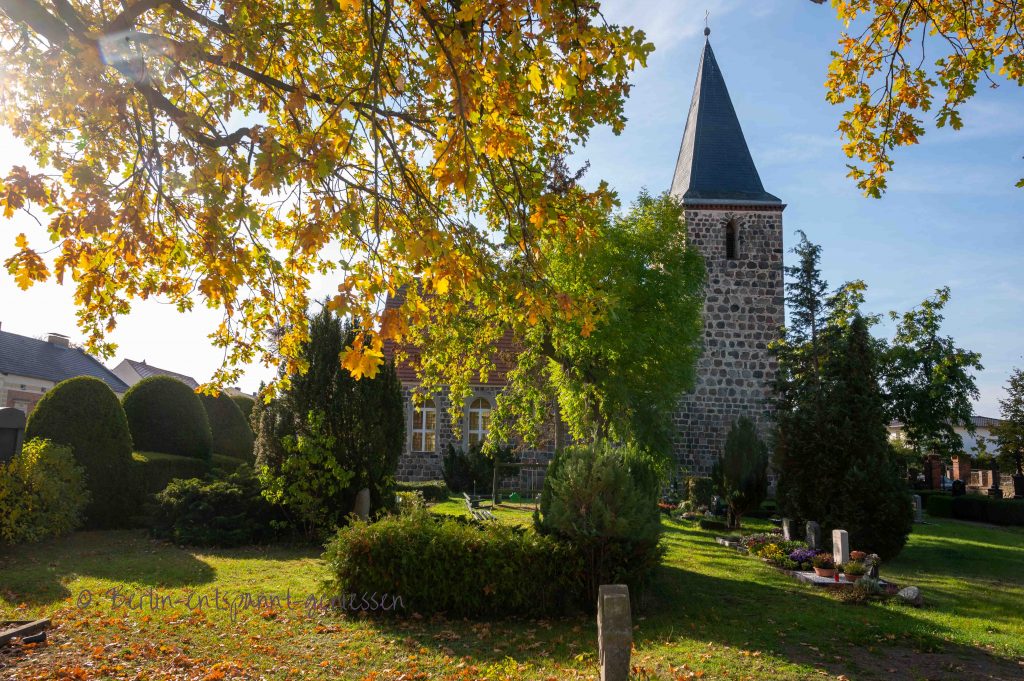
227, 155
909, 57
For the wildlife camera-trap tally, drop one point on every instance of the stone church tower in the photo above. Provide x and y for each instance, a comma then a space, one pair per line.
737, 226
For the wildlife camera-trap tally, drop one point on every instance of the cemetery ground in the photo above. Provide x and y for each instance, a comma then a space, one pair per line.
710, 613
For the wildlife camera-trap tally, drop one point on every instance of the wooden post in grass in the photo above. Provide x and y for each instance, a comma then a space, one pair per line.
614, 631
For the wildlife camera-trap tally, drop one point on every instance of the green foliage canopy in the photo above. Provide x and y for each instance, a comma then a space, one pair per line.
165, 415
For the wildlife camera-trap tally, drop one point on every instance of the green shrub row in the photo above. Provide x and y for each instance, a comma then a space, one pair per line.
232, 435
432, 490
977, 508
153, 471
454, 567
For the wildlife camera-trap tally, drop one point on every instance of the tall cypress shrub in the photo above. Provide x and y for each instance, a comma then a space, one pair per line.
328, 435
741, 473
232, 435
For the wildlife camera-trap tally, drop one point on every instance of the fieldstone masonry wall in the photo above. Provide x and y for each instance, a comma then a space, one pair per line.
743, 313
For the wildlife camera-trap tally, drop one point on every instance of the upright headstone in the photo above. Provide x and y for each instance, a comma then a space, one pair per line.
362, 508
871, 563
12, 433
995, 490
787, 529
840, 547
614, 631
918, 510
814, 536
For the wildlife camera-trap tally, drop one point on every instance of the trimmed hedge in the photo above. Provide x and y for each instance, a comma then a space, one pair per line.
228, 464
432, 490
246, 404
232, 435
977, 508
85, 414
458, 568
166, 416
155, 470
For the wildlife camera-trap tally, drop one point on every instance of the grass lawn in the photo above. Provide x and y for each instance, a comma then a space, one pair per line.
710, 613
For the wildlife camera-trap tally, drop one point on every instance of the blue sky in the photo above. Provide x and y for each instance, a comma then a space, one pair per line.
951, 216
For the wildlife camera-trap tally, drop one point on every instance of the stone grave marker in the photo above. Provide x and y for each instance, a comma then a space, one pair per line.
814, 536
614, 631
840, 547
362, 507
918, 510
872, 562
12, 433
787, 529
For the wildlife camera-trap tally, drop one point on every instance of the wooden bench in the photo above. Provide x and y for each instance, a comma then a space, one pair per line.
473, 506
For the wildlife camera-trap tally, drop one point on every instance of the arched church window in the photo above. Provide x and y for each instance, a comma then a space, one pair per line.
731, 241
424, 428
479, 420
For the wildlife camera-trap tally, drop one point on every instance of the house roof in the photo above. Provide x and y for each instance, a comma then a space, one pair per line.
714, 164
34, 358
504, 357
147, 370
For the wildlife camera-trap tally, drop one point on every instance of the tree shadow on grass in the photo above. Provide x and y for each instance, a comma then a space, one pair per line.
38, 574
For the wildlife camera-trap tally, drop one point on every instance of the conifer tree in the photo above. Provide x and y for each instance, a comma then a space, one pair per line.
741, 473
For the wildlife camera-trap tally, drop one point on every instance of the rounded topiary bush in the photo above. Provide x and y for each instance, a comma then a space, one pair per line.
246, 404
166, 416
232, 435
84, 414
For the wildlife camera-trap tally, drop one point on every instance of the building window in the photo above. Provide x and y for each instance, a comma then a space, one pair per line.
424, 428
479, 420
731, 241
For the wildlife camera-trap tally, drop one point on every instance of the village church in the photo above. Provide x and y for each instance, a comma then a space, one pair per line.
737, 227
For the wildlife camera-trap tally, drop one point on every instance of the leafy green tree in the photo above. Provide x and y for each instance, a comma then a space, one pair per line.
622, 376
741, 473
929, 380
328, 435
1010, 432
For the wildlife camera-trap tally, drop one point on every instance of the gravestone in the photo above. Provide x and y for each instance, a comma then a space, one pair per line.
995, 490
840, 547
614, 631
959, 488
910, 595
12, 433
814, 536
362, 509
918, 510
872, 562
787, 530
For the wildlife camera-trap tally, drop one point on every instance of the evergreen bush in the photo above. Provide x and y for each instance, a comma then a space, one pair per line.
223, 511
166, 416
246, 404
471, 470
741, 473
444, 565
603, 500
232, 435
42, 493
84, 414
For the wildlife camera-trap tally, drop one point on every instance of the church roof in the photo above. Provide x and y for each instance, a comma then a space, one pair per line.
714, 164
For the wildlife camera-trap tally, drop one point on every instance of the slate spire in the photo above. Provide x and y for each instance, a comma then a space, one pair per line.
714, 164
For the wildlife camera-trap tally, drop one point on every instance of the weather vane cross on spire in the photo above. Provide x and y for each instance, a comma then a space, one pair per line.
707, 30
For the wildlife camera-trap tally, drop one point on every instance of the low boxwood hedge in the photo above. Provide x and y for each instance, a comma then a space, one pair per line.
432, 490
455, 567
977, 508
154, 470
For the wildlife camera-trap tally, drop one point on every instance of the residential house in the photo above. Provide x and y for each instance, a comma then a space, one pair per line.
131, 372
29, 367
